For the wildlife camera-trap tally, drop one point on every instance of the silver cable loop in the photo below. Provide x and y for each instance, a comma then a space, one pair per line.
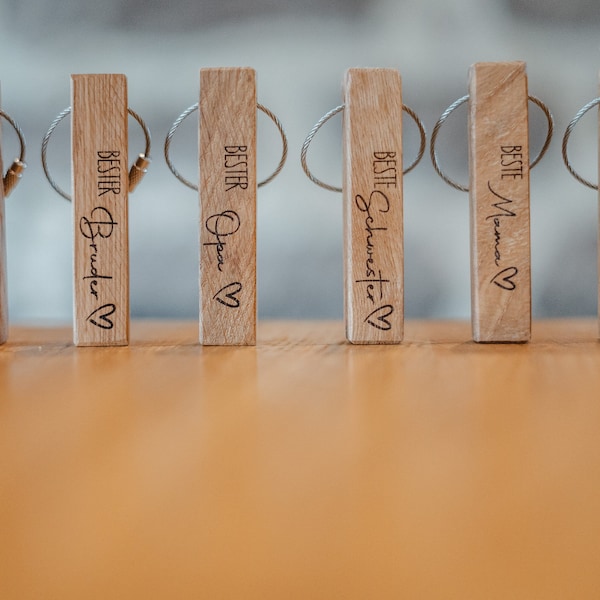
565, 142
549, 134
434, 134
137, 171
284, 142
306, 144
188, 111
461, 101
194, 107
335, 111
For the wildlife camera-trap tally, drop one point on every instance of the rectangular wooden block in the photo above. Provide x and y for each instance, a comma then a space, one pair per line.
100, 210
373, 207
499, 201
227, 151
599, 216
3, 285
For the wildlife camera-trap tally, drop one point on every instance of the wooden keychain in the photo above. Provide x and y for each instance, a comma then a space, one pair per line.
227, 195
565, 143
373, 202
101, 184
499, 198
9, 181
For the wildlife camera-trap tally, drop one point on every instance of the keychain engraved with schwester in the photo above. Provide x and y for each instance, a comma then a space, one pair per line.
373, 202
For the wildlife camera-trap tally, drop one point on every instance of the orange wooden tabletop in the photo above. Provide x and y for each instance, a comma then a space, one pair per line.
304, 468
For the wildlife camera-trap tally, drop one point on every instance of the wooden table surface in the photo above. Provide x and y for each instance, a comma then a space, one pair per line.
304, 468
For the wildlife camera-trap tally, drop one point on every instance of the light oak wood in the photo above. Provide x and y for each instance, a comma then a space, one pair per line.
3, 274
499, 199
302, 468
373, 207
100, 210
227, 206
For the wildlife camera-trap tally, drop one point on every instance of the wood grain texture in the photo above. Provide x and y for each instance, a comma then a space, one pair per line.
3, 273
499, 200
227, 151
303, 468
100, 210
373, 207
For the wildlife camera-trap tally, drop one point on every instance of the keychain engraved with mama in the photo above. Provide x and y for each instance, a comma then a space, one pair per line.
499, 198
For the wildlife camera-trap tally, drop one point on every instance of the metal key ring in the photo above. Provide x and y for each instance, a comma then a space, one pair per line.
137, 171
335, 111
194, 107
565, 143
15, 171
453, 107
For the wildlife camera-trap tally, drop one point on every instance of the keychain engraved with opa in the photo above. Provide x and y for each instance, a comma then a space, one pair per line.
101, 184
565, 143
373, 202
227, 194
9, 181
499, 198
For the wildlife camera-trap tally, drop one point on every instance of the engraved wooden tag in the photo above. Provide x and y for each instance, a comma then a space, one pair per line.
499, 201
100, 210
3, 290
227, 206
373, 207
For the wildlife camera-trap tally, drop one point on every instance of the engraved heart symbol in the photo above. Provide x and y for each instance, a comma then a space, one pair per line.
99, 317
228, 295
379, 317
504, 279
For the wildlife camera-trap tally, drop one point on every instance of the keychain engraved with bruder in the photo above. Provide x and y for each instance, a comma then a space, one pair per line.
101, 185
373, 203
227, 194
499, 198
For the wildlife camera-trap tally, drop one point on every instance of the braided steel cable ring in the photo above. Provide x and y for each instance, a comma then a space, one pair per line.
565, 142
137, 171
194, 107
335, 111
461, 101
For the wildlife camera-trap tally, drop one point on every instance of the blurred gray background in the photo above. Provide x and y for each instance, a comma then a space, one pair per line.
300, 49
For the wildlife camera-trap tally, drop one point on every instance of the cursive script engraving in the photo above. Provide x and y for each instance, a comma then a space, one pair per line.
100, 225
227, 296
376, 208
371, 287
505, 278
377, 203
221, 225
379, 317
501, 213
100, 316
